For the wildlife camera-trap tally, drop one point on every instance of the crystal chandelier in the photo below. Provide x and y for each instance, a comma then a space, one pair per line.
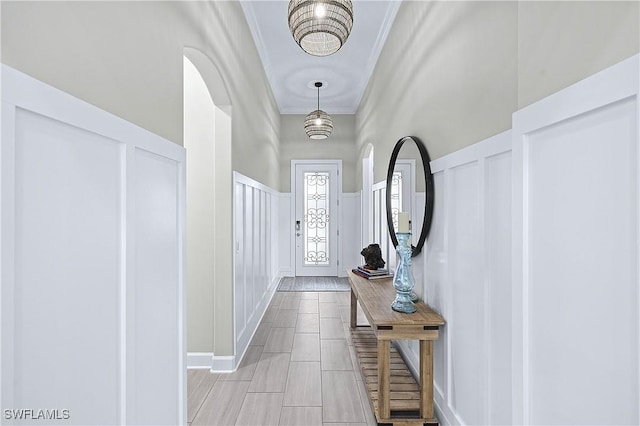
320, 27
318, 124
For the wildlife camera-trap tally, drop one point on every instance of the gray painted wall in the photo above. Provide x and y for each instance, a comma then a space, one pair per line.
127, 58
341, 145
453, 73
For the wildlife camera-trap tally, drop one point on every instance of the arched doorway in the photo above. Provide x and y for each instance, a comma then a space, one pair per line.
207, 139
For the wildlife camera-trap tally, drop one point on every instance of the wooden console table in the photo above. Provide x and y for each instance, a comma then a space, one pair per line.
396, 397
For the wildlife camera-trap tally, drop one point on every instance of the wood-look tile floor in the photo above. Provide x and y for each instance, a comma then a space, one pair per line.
300, 369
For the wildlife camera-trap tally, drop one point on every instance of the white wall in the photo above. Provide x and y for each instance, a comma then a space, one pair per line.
93, 222
576, 293
467, 66
256, 258
468, 270
533, 262
199, 141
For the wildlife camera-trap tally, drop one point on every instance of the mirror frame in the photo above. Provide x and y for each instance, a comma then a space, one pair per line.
428, 208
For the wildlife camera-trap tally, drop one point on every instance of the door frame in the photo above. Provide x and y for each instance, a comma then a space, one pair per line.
294, 164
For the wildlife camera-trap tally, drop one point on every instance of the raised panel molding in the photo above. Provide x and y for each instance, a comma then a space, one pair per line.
533, 261
468, 198
575, 251
93, 223
256, 273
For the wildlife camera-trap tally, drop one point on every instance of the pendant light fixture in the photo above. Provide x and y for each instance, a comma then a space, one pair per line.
318, 124
320, 27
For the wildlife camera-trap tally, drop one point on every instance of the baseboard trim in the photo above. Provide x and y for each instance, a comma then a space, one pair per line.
199, 360
223, 364
264, 305
286, 272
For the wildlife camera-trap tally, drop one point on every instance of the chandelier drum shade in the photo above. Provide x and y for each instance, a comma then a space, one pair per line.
318, 124
320, 27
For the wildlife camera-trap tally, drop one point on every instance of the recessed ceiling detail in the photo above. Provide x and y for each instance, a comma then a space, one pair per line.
345, 74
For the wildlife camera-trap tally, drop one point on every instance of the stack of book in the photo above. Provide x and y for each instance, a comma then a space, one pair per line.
372, 274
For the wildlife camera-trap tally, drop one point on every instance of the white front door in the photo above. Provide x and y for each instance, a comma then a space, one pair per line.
316, 219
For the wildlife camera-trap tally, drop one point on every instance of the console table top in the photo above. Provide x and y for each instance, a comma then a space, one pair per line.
376, 296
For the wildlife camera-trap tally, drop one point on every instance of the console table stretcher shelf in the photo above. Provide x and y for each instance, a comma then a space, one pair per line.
403, 401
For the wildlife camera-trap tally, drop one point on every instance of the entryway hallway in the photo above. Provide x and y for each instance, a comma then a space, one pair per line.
300, 369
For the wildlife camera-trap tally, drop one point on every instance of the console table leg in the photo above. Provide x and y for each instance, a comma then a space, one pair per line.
354, 310
426, 379
384, 378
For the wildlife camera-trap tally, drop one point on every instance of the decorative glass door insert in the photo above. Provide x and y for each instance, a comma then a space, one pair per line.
316, 218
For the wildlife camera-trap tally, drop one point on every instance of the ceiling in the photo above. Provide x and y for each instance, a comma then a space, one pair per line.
292, 72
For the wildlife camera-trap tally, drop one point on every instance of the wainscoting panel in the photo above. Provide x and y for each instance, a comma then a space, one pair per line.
466, 317
467, 285
497, 286
286, 264
256, 272
435, 290
152, 293
576, 295
350, 233
93, 220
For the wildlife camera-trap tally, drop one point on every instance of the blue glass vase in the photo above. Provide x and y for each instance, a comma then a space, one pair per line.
403, 280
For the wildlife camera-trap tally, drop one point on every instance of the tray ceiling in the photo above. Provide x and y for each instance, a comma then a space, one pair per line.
291, 72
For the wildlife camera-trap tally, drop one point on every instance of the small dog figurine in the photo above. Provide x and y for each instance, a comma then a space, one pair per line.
373, 256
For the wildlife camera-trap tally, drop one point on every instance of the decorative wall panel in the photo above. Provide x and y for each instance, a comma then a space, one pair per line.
92, 298
576, 295
256, 272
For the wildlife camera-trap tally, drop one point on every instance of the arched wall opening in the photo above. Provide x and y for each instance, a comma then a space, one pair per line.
209, 239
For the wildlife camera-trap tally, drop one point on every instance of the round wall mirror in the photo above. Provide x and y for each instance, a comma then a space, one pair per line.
425, 173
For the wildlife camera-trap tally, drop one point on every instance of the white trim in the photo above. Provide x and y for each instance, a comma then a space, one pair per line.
245, 180
29, 92
223, 364
285, 270
491, 146
24, 92
379, 185
199, 360
611, 85
615, 83
261, 288
385, 28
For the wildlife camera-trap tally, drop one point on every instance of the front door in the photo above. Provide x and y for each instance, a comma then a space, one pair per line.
316, 219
